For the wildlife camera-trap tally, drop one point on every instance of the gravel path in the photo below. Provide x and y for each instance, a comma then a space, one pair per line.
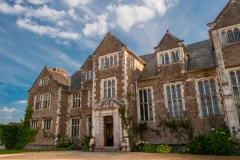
79, 155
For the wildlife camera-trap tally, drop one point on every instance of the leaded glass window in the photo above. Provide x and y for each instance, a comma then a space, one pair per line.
174, 101
109, 88
75, 127
208, 98
166, 59
230, 36
237, 34
146, 106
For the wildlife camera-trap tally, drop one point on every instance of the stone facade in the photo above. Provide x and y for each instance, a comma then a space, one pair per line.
177, 82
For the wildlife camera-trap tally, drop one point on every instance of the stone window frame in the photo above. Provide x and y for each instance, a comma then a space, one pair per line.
132, 63
75, 126
89, 125
88, 75
34, 123
103, 88
224, 37
236, 100
76, 96
90, 98
167, 55
198, 96
44, 81
41, 99
152, 102
172, 100
47, 123
109, 60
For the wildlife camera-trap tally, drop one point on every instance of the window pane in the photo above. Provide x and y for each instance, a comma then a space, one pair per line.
109, 83
201, 90
213, 87
105, 93
142, 113
173, 57
170, 109
215, 104
109, 93
111, 61
149, 95
179, 91
150, 111
166, 58
102, 63
230, 37
206, 86
146, 111
105, 84
113, 82
237, 34
210, 109
115, 60
140, 97
173, 92
236, 95
113, 92
162, 59
145, 95
168, 92
180, 108
238, 76
224, 38
233, 78
106, 62
175, 109
177, 56
204, 109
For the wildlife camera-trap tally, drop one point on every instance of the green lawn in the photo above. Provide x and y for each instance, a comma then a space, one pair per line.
17, 151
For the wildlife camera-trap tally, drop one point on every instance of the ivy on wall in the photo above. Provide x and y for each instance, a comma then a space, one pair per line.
17, 136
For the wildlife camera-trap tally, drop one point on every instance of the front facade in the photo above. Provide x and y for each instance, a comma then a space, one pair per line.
198, 82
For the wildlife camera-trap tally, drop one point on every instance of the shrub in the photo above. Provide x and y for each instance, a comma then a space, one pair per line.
183, 150
163, 149
141, 144
217, 142
64, 142
135, 149
149, 148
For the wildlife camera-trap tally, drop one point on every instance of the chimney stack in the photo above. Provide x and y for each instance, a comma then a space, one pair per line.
167, 31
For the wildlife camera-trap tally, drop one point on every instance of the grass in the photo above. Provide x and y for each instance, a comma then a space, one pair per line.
17, 151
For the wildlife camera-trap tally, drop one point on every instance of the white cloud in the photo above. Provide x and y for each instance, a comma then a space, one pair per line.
96, 28
77, 3
46, 30
15, 9
37, 2
21, 102
8, 110
65, 43
62, 22
46, 13
160, 6
8, 117
127, 16
72, 14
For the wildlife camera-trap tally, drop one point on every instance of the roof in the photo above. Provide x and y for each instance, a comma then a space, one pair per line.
229, 15
168, 42
60, 78
75, 84
200, 56
151, 68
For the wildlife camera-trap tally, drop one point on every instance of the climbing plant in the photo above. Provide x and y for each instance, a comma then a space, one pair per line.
174, 129
17, 136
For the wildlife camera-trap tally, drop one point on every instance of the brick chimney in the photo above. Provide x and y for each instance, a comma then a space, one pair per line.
167, 31
61, 71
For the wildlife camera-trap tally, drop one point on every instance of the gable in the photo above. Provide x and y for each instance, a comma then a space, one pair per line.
229, 15
109, 44
168, 42
88, 64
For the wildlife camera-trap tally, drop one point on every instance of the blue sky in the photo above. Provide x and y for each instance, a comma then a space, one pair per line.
63, 33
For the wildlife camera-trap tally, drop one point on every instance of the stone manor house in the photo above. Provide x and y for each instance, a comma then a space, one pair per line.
199, 82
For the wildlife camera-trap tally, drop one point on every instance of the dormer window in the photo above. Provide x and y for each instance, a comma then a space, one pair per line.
43, 81
170, 57
109, 60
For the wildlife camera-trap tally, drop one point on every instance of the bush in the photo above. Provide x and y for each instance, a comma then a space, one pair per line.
183, 150
141, 144
163, 149
149, 148
135, 149
64, 142
217, 142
